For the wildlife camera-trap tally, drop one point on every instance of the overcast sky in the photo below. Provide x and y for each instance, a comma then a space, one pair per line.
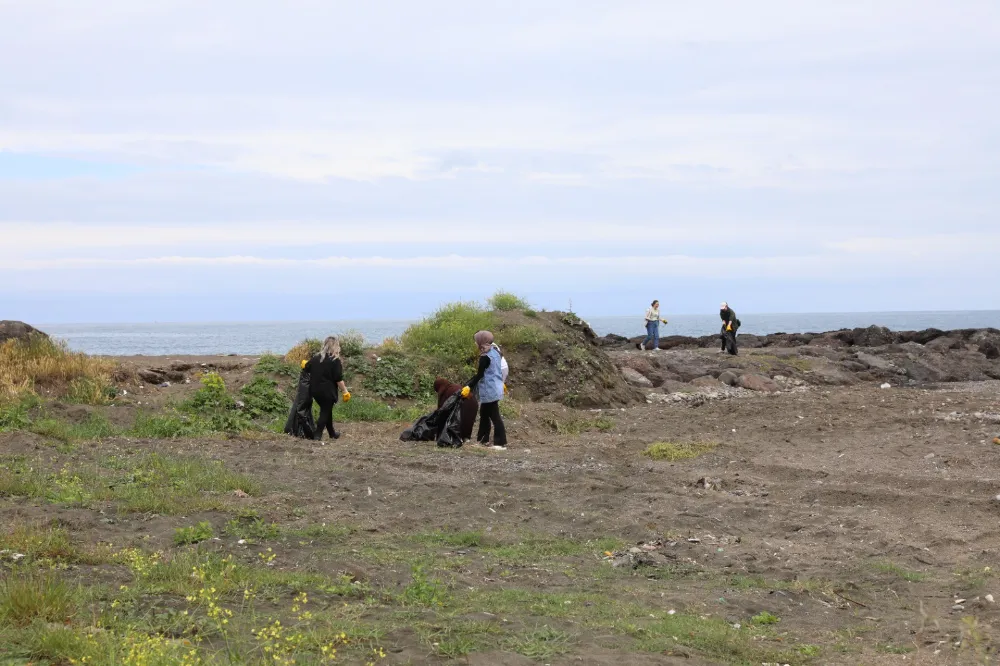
179, 160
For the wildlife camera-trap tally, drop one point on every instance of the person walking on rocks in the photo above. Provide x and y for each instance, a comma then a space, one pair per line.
489, 384
326, 375
652, 327
730, 324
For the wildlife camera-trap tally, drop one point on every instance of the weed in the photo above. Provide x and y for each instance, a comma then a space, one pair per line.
446, 337
167, 425
252, 527
38, 542
423, 591
212, 394
675, 451
577, 426
352, 344
453, 539
503, 301
195, 534
14, 414
888, 567
765, 618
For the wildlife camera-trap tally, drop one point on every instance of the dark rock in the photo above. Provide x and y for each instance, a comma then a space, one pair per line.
18, 330
991, 350
758, 383
159, 375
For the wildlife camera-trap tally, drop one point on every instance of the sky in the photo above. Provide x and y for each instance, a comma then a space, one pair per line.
323, 160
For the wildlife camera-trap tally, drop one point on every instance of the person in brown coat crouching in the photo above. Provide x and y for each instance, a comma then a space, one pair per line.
469, 407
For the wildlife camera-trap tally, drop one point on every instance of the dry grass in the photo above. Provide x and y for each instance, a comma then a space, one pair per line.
40, 362
674, 451
303, 352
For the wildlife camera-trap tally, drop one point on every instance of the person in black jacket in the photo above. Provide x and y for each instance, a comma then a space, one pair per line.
729, 326
326, 375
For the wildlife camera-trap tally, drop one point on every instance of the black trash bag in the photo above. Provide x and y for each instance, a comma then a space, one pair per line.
300, 421
442, 425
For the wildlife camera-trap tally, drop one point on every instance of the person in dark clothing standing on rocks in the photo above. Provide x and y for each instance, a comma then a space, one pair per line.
490, 385
326, 375
730, 324
470, 405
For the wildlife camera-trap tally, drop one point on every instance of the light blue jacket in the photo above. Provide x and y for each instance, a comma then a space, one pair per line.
491, 385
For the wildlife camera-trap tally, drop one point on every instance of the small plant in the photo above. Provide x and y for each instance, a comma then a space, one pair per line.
196, 534
765, 618
249, 525
503, 301
372, 411
211, 395
27, 596
424, 591
270, 364
675, 451
542, 643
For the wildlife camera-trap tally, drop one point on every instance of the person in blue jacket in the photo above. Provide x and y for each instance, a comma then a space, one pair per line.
490, 386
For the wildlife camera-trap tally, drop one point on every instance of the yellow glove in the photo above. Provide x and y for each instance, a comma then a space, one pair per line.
505, 389
729, 327
347, 396
466, 392
304, 364
664, 321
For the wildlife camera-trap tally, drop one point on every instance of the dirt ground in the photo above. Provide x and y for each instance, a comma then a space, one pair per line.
864, 518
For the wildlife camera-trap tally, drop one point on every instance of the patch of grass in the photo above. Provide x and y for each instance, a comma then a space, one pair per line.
27, 596
19, 479
459, 639
532, 550
167, 425
519, 337
541, 643
45, 543
885, 566
14, 414
503, 301
675, 451
373, 411
765, 618
52, 429
509, 409
303, 351
40, 362
195, 534
452, 539
761, 583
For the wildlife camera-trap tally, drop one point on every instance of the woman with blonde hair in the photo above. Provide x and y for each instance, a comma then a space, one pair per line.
326, 375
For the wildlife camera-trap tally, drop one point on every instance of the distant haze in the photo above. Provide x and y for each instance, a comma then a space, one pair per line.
307, 160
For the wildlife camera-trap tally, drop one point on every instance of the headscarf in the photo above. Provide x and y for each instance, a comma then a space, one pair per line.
484, 339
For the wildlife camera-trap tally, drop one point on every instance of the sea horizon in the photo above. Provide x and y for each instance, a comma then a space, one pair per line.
257, 337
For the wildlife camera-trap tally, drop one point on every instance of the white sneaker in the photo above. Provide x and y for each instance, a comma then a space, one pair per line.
642, 346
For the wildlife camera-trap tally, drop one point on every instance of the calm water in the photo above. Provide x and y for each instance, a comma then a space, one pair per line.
257, 337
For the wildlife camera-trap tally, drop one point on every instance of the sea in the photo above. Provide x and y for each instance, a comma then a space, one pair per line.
251, 338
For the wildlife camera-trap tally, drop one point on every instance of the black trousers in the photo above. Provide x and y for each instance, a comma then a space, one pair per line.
489, 414
325, 417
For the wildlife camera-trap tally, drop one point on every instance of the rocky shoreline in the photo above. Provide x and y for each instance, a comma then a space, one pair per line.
786, 361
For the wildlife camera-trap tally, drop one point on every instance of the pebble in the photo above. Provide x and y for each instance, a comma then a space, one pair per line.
989, 598
958, 607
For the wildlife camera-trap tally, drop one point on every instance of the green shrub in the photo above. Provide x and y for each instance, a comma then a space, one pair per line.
446, 337
262, 399
90, 391
211, 395
166, 426
14, 414
352, 344
303, 351
765, 618
270, 364
392, 376
503, 301
196, 534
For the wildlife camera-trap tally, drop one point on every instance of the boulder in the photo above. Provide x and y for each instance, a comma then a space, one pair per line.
758, 383
635, 378
943, 343
873, 336
872, 361
729, 378
18, 330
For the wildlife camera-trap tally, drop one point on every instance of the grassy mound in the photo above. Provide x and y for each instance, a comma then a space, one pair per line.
28, 365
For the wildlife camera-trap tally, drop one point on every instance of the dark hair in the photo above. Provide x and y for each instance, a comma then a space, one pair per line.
653, 303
